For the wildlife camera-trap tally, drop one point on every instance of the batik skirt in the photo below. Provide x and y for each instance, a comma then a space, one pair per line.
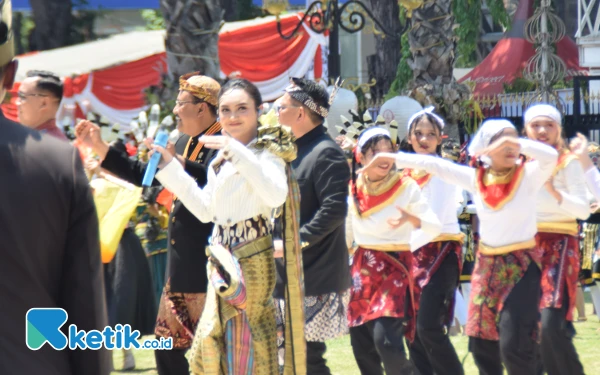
426, 262
560, 269
178, 316
494, 277
382, 286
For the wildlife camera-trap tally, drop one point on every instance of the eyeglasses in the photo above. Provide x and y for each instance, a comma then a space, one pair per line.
279, 108
182, 102
22, 96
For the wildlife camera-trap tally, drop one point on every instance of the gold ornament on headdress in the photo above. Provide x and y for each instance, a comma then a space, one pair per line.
336, 87
353, 130
207, 91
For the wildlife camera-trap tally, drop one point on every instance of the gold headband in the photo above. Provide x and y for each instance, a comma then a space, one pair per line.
208, 91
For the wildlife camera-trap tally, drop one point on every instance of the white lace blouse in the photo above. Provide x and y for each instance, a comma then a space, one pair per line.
252, 182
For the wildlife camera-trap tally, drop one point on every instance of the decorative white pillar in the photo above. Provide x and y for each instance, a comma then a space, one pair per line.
588, 35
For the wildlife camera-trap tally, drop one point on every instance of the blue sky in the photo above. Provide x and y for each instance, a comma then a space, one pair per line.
125, 4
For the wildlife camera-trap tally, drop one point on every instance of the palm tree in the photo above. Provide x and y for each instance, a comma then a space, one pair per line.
192, 28
433, 44
383, 64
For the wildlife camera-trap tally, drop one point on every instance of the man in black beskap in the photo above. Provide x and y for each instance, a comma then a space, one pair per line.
323, 175
183, 297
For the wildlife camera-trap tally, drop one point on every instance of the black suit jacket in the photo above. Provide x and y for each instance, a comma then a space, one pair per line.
187, 236
323, 176
50, 251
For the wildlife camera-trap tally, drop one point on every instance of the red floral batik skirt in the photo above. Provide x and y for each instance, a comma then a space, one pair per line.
427, 260
494, 277
560, 269
382, 286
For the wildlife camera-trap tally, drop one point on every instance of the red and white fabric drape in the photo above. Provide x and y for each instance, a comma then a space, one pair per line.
253, 48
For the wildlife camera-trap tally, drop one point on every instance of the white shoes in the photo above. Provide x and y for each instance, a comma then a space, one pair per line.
128, 360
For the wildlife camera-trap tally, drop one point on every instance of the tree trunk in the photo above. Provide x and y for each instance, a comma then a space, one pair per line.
230, 10
17, 26
53, 23
432, 43
384, 63
192, 35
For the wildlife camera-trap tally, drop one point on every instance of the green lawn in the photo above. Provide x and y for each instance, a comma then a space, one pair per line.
341, 360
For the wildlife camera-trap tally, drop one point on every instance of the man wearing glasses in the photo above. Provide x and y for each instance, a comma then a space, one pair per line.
183, 297
323, 176
38, 101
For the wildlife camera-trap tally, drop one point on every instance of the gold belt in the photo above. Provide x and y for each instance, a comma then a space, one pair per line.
445, 237
387, 247
569, 228
253, 247
489, 250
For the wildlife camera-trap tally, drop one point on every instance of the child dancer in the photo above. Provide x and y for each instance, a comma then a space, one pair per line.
381, 310
589, 155
559, 205
437, 264
506, 278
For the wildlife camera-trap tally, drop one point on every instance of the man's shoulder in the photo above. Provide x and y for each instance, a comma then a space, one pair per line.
324, 144
181, 143
23, 141
328, 150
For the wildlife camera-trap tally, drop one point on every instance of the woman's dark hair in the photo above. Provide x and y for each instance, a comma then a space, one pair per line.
369, 145
242, 84
411, 129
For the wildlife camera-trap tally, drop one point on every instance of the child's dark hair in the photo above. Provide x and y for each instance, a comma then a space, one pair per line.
242, 84
369, 145
407, 146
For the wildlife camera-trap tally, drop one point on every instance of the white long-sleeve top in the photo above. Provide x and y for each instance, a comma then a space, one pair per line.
373, 231
442, 197
592, 180
253, 182
570, 183
515, 222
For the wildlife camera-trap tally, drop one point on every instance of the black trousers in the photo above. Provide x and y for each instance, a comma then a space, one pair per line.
516, 348
377, 341
172, 362
432, 352
559, 356
315, 360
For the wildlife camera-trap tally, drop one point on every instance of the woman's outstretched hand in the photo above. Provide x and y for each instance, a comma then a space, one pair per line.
499, 145
384, 156
215, 142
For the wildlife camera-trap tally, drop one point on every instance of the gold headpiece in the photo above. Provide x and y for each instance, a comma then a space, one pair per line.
203, 87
